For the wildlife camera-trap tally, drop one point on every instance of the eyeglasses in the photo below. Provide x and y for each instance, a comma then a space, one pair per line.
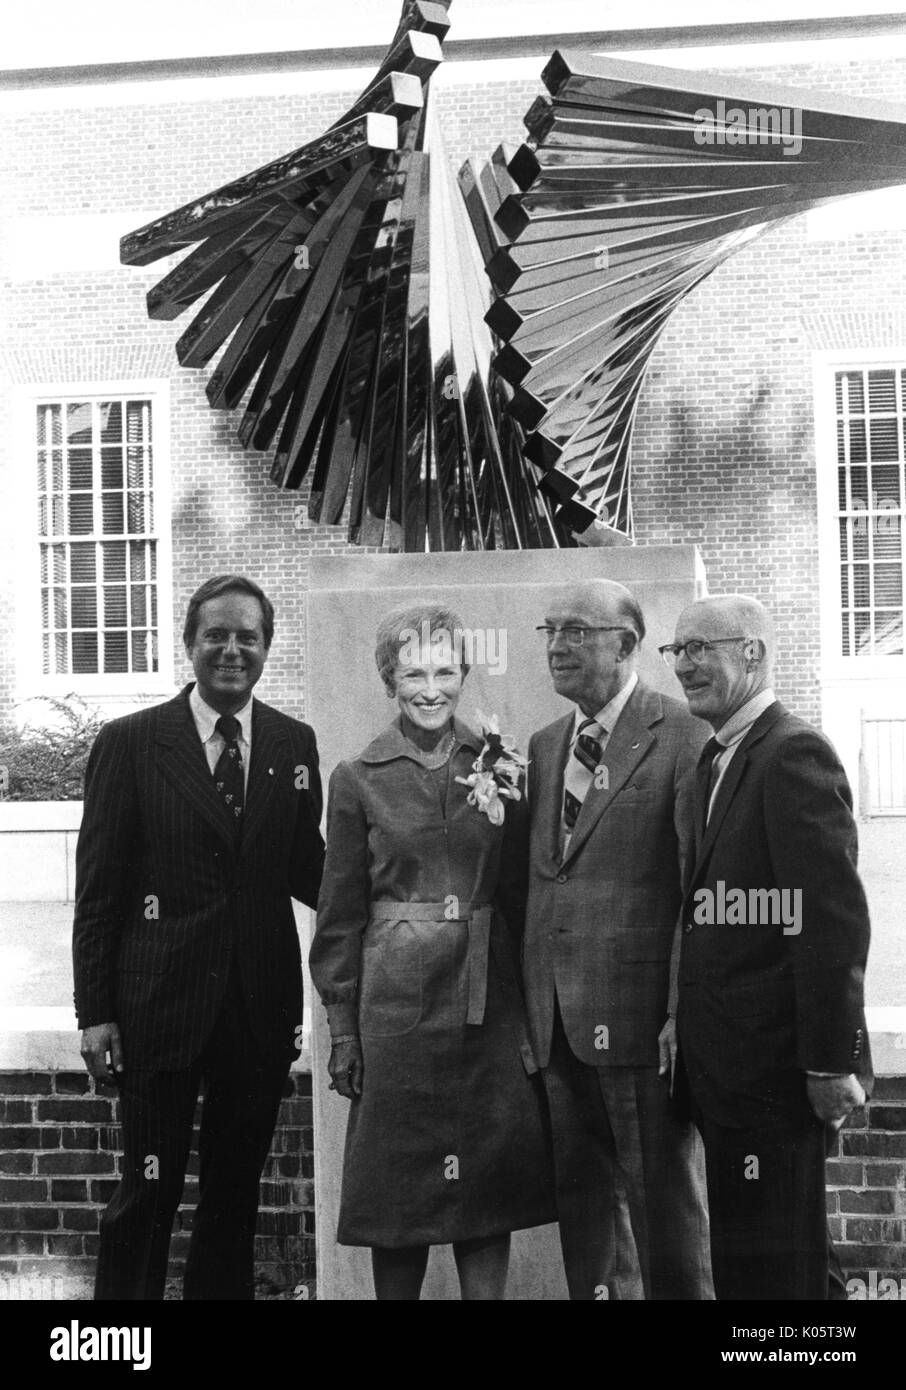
574, 636
695, 649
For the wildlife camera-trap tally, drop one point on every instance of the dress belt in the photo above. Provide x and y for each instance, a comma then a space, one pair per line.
477, 915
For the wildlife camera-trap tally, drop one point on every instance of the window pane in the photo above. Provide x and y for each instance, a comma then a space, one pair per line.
885, 486
84, 653
845, 599
78, 424
61, 652
846, 642
112, 508
42, 516
111, 468
860, 536
887, 536
861, 585
884, 440
58, 561
889, 634
137, 560
82, 564
136, 513
114, 559
862, 633
859, 487
79, 469
81, 514
138, 421
84, 608
135, 467
111, 422
858, 449
116, 651
46, 663
45, 564
141, 651
59, 609
42, 470
139, 605
882, 391
56, 516
844, 525
855, 392
56, 470
888, 586
115, 606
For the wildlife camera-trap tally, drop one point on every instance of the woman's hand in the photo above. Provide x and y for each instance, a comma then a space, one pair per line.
345, 1068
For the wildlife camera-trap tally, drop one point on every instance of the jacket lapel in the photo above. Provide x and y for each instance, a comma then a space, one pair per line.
626, 747
729, 785
181, 759
554, 749
269, 761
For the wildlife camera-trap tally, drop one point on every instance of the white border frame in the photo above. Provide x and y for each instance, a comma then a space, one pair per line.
103, 689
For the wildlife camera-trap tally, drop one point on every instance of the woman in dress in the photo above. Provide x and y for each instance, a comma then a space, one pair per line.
416, 958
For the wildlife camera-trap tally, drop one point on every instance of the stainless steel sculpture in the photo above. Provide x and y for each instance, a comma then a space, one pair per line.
347, 288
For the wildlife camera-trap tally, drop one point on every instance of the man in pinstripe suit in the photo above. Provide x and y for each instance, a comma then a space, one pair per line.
200, 823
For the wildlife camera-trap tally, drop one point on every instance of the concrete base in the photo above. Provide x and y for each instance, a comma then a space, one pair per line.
502, 596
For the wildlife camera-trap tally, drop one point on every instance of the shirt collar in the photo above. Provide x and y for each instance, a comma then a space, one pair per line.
608, 716
206, 718
392, 743
739, 724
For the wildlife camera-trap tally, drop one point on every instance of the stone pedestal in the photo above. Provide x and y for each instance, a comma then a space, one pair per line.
500, 597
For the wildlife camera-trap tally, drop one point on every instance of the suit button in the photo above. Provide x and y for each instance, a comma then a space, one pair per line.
562, 878
687, 928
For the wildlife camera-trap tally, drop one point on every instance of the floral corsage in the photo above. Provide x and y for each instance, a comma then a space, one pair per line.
496, 771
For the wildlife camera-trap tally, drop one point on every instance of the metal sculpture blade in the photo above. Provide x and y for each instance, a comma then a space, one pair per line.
635, 184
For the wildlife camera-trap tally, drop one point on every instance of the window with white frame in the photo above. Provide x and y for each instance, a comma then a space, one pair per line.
97, 537
870, 509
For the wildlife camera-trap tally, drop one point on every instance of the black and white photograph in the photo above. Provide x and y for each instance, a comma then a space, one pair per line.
452, 666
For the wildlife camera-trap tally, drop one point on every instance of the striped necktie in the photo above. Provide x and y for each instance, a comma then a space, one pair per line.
579, 772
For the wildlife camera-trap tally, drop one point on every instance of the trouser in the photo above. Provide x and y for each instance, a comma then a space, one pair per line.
629, 1182
241, 1097
769, 1237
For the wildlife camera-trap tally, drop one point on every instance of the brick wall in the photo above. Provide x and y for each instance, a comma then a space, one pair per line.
724, 452
866, 1198
59, 1160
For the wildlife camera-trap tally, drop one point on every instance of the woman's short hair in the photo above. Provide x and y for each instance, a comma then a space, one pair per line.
412, 623
228, 584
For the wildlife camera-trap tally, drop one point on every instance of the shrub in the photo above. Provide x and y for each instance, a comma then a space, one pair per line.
47, 763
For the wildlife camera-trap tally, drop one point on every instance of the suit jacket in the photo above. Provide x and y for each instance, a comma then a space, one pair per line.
600, 924
166, 899
759, 1005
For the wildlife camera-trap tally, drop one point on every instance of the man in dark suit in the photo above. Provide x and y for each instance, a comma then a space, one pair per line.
610, 787
770, 1025
200, 823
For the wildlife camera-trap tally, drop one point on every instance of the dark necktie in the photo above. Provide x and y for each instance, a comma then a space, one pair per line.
580, 769
708, 773
229, 778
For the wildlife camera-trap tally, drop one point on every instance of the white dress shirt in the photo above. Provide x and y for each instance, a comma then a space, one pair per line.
732, 733
608, 716
214, 742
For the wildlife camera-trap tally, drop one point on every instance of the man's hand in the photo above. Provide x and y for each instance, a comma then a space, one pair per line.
832, 1097
666, 1046
346, 1069
97, 1043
